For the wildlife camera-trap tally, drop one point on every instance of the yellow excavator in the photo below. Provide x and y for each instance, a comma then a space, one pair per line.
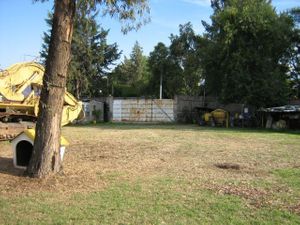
20, 88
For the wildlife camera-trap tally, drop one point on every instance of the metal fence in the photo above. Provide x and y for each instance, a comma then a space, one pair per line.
143, 110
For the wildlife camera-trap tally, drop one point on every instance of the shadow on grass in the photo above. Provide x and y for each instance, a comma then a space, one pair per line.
183, 127
7, 167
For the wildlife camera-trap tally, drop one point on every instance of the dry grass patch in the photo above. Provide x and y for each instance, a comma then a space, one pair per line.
102, 156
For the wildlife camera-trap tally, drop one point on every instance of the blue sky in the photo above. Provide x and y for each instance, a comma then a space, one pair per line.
22, 25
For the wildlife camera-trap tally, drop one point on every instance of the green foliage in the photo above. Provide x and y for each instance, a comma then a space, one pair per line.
295, 13
179, 64
245, 47
91, 55
184, 51
132, 14
97, 113
289, 176
293, 56
46, 38
161, 64
130, 78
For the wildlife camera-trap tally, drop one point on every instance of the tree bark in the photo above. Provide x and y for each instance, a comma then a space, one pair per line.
45, 158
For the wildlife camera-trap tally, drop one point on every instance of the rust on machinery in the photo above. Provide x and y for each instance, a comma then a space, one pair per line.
9, 131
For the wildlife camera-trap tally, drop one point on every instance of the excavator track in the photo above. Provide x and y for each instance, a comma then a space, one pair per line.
9, 131
16, 117
11, 124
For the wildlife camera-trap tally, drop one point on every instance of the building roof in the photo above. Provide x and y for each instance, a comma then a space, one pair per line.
283, 109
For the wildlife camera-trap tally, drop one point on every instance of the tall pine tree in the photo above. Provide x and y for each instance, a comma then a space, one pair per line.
131, 77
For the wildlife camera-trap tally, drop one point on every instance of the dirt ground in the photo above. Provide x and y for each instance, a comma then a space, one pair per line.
99, 155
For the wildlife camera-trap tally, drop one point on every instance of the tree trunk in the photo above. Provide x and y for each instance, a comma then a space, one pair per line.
45, 158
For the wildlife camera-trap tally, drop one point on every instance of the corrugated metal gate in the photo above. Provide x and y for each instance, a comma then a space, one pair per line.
143, 110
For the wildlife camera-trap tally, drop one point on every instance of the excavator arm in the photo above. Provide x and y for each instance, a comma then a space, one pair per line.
20, 87
19, 77
72, 109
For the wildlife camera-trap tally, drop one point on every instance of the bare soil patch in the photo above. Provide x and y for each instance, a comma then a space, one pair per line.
228, 166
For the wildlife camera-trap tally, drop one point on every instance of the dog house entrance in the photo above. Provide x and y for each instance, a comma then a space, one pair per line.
23, 152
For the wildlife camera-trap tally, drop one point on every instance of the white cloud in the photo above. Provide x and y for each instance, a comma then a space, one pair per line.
198, 2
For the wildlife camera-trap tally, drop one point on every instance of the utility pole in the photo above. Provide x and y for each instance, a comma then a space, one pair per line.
160, 86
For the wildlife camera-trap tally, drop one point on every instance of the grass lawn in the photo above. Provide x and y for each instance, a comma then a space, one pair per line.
160, 174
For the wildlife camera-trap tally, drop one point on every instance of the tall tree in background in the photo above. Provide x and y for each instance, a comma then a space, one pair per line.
91, 56
295, 13
158, 64
164, 69
184, 51
46, 157
245, 45
131, 77
293, 57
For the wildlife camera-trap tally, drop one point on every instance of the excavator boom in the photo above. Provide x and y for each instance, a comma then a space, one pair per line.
20, 88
